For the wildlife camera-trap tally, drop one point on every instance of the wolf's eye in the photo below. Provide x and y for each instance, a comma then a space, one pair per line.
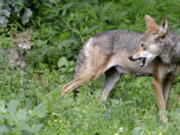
142, 44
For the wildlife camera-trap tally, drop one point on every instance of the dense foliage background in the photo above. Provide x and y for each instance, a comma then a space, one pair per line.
30, 101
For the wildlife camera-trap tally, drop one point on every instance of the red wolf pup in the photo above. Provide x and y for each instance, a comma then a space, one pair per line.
160, 43
21, 43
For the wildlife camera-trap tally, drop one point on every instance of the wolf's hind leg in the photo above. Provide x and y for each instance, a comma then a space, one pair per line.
167, 87
111, 77
82, 78
95, 64
76, 83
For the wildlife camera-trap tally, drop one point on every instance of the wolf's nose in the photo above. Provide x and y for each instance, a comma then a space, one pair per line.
131, 58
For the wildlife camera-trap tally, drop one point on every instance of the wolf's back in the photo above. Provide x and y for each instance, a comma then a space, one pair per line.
109, 42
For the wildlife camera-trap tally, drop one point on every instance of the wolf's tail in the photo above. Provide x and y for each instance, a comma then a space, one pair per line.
80, 63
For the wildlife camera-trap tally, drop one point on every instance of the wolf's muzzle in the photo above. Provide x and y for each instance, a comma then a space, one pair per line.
141, 59
131, 58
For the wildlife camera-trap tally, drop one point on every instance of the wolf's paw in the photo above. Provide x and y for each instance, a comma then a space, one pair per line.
163, 118
63, 91
102, 98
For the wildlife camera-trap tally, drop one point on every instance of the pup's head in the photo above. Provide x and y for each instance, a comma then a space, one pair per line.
22, 40
152, 43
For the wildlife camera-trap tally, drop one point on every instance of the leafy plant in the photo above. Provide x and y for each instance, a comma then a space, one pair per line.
14, 9
15, 119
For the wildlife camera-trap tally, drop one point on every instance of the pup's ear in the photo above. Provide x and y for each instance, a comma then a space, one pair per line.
162, 28
27, 34
151, 25
29, 30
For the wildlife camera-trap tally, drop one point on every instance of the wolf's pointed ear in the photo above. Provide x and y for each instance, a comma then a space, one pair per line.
162, 28
14, 35
151, 26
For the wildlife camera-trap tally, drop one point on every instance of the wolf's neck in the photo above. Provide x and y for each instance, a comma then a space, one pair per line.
176, 50
171, 52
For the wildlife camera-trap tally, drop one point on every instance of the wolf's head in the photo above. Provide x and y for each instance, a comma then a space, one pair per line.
153, 43
22, 40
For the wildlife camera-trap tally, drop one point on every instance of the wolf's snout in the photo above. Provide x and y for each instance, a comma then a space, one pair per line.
142, 60
131, 58
134, 59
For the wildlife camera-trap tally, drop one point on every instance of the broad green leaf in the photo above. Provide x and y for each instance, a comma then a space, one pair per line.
12, 107
69, 41
3, 21
2, 106
91, 29
26, 132
26, 15
137, 131
62, 62
36, 128
21, 116
39, 110
4, 129
24, 126
5, 13
1, 4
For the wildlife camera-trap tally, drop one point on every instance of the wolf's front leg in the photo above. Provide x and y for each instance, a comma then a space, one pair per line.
160, 99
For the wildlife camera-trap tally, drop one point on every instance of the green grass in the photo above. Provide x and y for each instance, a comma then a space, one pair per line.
30, 100
132, 106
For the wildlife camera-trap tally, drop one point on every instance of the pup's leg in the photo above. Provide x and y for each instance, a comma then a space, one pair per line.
111, 77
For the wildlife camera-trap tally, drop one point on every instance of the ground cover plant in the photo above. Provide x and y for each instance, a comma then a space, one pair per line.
30, 102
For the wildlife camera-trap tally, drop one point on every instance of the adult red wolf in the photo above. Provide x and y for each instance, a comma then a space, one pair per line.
110, 53
160, 43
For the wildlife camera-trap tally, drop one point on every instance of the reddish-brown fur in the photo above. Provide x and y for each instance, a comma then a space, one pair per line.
163, 73
99, 62
96, 65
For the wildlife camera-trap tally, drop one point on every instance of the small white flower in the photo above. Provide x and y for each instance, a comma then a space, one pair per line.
20, 45
121, 129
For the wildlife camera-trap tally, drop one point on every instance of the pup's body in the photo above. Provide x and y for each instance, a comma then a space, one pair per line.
15, 55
